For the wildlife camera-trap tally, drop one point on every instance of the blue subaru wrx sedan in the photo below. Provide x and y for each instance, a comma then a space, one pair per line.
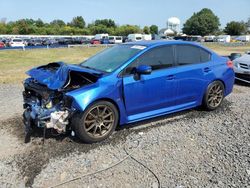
123, 84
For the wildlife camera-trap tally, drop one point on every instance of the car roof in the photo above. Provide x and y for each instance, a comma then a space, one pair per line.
150, 43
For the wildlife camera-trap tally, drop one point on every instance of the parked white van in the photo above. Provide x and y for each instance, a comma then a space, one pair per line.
16, 42
210, 38
115, 39
146, 37
134, 37
223, 38
101, 36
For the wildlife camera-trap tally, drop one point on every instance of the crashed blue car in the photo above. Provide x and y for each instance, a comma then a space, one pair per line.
124, 84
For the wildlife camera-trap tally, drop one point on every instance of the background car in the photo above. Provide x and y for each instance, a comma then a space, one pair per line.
2, 45
95, 41
35, 42
66, 41
234, 56
49, 42
115, 39
16, 42
104, 40
242, 67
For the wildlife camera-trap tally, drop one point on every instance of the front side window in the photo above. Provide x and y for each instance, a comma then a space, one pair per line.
112, 58
157, 58
188, 54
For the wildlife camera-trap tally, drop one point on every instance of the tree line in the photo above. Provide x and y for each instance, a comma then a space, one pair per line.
204, 22
77, 26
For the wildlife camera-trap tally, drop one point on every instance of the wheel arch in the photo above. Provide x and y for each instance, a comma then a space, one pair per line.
205, 89
108, 100
220, 80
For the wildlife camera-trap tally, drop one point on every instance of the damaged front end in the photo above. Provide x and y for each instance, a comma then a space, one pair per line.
45, 101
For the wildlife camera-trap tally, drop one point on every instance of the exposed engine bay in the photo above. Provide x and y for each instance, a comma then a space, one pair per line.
50, 108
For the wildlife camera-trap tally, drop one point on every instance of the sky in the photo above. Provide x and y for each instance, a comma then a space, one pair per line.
136, 12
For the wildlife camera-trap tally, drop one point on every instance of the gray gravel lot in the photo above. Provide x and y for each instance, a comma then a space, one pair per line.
193, 148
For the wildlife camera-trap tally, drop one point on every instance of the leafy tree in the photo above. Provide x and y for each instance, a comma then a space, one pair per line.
146, 30
235, 28
75, 27
248, 25
106, 22
125, 30
202, 23
39, 23
3, 28
58, 22
95, 29
25, 26
77, 22
153, 29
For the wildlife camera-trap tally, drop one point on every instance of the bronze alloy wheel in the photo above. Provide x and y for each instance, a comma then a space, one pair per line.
215, 95
99, 121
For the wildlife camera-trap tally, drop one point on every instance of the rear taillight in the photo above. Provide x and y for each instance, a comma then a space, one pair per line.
230, 64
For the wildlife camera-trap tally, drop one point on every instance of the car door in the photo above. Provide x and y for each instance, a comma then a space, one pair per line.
149, 93
194, 70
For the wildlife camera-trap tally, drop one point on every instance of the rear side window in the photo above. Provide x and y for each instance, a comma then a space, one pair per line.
187, 54
205, 56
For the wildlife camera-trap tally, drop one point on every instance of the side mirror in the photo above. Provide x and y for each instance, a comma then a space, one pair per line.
143, 69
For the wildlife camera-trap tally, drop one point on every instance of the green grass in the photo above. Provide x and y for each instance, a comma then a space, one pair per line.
227, 50
14, 63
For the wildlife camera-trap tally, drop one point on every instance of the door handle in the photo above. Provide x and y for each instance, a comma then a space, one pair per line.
207, 69
170, 77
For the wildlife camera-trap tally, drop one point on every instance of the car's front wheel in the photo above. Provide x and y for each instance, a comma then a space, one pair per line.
214, 95
97, 122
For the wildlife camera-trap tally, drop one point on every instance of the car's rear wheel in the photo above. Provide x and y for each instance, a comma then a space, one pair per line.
97, 122
214, 95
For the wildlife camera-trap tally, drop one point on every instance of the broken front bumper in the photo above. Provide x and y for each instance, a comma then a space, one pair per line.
45, 109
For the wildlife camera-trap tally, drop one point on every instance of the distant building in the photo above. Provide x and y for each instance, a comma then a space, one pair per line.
174, 23
173, 27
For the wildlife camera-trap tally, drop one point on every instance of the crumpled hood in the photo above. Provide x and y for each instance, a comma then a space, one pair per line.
55, 75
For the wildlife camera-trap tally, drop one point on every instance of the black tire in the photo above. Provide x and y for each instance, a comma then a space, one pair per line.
214, 95
105, 127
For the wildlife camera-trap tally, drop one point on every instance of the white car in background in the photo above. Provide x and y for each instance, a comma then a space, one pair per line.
147, 37
16, 42
134, 37
242, 66
115, 39
223, 38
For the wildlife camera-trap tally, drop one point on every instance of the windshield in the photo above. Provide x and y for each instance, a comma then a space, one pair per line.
112, 58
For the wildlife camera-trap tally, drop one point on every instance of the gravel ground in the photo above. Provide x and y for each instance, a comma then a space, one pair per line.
193, 148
